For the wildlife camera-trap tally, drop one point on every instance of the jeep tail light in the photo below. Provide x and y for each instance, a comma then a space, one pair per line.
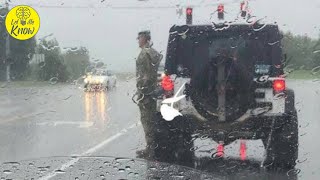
167, 83
220, 150
279, 85
243, 150
168, 86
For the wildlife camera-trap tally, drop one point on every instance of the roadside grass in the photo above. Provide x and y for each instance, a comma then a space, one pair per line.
4, 84
303, 74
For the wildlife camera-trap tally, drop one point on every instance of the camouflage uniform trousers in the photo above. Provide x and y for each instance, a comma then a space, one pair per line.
148, 119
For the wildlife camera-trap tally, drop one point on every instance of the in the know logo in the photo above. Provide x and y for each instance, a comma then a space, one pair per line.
22, 22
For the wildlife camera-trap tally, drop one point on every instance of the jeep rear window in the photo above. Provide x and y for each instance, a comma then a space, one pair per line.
195, 50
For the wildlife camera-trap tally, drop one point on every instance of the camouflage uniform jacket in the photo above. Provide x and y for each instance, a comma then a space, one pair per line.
147, 65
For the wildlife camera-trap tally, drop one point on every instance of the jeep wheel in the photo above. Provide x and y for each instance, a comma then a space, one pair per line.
174, 142
283, 147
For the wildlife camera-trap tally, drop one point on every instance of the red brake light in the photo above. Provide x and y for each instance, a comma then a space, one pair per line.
189, 11
242, 6
167, 83
220, 8
279, 85
220, 150
189, 16
220, 12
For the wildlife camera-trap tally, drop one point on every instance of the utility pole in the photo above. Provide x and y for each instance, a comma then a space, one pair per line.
8, 49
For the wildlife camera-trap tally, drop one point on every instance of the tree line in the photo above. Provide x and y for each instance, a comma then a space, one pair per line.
63, 66
68, 65
302, 51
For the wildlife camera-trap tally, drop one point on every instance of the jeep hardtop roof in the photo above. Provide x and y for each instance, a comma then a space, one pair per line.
229, 27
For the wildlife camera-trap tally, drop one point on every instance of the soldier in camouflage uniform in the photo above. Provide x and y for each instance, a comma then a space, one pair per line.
147, 65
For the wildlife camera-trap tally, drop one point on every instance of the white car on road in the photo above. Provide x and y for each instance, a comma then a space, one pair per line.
100, 80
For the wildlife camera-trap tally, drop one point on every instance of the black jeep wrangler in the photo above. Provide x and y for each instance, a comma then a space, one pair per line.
232, 79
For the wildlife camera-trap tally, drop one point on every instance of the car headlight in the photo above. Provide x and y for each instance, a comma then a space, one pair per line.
96, 81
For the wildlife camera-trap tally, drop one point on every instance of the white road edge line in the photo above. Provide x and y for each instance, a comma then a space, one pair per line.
89, 151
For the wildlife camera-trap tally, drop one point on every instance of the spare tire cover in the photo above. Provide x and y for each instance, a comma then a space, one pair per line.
238, 80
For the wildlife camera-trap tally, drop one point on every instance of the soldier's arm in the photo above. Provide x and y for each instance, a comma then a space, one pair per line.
146, 61
147, 67
154, 58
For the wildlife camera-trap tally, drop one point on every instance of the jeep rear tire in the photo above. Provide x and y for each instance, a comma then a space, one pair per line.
283, 147
174, 142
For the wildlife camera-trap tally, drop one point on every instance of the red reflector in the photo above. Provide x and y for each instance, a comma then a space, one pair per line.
189, 11
243, 150
220, 150
167, 83
279, 85
220, 8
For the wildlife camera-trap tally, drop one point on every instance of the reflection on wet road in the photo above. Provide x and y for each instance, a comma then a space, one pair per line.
62, 120
96, 105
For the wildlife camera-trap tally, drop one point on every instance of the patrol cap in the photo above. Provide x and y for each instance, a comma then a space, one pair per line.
146, 34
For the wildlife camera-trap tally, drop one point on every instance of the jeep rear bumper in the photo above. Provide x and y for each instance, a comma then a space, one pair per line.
252, 128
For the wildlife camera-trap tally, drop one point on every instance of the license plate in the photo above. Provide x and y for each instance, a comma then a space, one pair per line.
262, 69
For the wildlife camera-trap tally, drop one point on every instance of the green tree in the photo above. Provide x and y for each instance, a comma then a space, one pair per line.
76, 60
20, 52
316, 54
299, 50
53, 66
2, 43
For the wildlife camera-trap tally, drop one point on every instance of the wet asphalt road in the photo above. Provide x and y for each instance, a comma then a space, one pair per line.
62, 120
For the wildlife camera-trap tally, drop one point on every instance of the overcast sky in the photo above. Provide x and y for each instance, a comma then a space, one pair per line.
108, 28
